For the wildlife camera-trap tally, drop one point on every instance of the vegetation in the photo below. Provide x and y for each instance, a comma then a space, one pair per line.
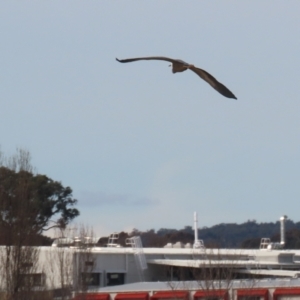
31, 203
28, 202
245, 235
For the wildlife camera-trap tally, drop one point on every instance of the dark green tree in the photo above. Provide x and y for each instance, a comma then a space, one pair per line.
34, 199
28, 204
31, 203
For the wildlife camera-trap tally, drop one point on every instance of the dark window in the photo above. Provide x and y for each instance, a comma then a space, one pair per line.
27, 265
33, 279
91, 279
250, 298
115, 279
89, 263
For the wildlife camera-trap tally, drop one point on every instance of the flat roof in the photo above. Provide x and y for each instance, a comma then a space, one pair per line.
197, 285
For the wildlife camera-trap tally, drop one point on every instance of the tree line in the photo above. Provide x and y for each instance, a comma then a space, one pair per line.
246, 235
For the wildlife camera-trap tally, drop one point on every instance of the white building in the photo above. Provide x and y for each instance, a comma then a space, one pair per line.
113, 270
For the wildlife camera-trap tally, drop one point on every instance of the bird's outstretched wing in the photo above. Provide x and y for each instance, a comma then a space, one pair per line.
218, 86
222, 89
152, 58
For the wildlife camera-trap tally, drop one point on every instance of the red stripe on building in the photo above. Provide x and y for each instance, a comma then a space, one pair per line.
253, 292
223, 294
137, 296
171, 295
90, 296
286, 292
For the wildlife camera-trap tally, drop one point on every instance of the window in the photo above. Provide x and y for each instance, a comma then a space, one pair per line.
91, 279
250, 298
115, 279
33, 279
27, 265
89, 263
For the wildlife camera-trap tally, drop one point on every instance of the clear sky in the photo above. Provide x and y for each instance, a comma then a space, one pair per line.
142, 147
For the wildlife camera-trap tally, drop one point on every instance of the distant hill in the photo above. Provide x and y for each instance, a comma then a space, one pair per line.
246, 235
231, 235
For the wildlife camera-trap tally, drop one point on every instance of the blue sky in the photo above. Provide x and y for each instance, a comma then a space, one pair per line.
142, 147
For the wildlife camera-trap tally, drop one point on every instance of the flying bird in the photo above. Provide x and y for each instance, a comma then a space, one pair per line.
179, 65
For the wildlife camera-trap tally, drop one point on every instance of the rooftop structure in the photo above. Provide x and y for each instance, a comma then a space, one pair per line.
99, 269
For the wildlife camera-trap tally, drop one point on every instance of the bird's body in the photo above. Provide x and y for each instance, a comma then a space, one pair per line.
181, 66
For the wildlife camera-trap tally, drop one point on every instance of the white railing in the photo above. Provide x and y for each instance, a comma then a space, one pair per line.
139, 256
